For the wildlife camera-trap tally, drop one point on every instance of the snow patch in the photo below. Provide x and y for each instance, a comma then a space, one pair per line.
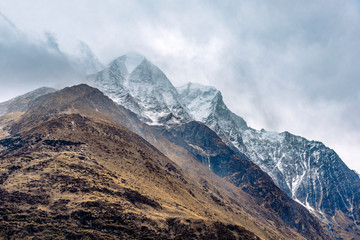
296, 183
271, 136
198, 99
306, 205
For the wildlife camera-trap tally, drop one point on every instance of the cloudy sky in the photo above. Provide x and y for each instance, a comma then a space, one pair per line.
282, 65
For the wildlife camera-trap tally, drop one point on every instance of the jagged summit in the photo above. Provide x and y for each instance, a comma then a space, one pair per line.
134, 82
199, 99
205, 103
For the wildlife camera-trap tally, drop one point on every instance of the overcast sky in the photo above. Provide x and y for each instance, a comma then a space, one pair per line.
281, 65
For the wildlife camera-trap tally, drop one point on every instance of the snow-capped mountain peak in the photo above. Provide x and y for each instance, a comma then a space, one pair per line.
134, 82
199, 99
205, 104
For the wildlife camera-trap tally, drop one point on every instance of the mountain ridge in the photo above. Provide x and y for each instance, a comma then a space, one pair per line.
20, 103
306, 170
91, 102
288, 159
86, 175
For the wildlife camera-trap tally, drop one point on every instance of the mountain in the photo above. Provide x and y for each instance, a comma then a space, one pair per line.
205, 104
209, 148
218, 141
84, 176
134, 82
306, 171
20, 103
70, 170
84, 60
124, 88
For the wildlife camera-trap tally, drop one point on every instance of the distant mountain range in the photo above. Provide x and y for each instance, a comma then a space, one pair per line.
171, 162
307, 171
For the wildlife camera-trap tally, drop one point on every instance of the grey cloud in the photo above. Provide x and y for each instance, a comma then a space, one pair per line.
27, 63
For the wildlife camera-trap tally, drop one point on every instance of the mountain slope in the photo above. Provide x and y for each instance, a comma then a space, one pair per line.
69, 175
307, 171
20, 103
208, 147
100, 181
95, 135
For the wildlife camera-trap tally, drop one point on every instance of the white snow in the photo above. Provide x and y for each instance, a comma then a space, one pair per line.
272, 136
148, 92
297, 180
198, 99
306, 205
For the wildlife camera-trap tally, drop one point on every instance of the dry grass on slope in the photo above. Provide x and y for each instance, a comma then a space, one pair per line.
72, 177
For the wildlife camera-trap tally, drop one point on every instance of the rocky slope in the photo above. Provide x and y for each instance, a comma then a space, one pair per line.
209, 148
307, 171
73, 177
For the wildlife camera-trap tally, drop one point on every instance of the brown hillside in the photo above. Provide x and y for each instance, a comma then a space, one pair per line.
68, 150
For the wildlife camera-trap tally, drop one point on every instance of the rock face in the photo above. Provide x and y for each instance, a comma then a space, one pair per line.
206, 105
209, 148
134, 82
306, 171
